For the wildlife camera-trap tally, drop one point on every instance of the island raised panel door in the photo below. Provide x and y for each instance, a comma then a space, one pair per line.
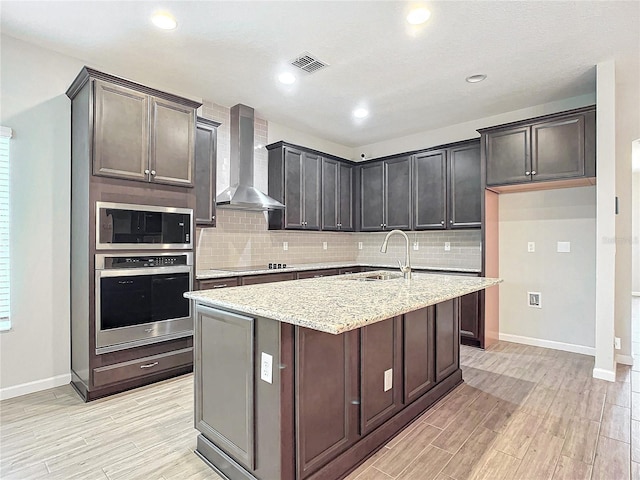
398, 194
465, 187
172, 143
205, 177
372, 197
470, 316
558, 149
121, 132
325, 421
430, 208
293, 196
380, 374
311, 191
447, 338
508, 154
419, 366
330, 189
345, 197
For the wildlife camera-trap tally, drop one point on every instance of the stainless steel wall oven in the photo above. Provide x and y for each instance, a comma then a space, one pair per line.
139, 299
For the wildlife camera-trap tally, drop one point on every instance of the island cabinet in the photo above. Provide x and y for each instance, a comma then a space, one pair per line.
558, 147
205, 177
337, 195
139, 133
279, 401
385, 194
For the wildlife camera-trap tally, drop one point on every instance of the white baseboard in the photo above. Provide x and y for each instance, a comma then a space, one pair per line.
539, 342
624, 359
603, 374
32, 387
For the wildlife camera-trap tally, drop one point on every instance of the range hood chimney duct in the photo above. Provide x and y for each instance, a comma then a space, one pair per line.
242, 195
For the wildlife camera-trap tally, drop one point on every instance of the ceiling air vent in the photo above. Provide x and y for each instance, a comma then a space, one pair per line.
307, 62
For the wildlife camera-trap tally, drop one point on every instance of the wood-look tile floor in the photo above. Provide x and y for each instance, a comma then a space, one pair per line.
522, 413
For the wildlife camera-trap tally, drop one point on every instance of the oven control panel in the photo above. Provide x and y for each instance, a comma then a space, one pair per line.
136, 261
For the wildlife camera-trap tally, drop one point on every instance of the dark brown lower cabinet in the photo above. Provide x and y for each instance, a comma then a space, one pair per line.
267, 278
321, 403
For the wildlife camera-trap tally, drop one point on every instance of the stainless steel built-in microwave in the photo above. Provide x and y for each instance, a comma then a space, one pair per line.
126, 226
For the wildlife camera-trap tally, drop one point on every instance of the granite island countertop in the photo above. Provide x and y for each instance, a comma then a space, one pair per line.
221, 273
341, 303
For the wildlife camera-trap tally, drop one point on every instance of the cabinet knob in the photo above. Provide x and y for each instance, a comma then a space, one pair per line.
153, 172
381, 225
213, 217
146, 171
527, 173
442, 222
533, 172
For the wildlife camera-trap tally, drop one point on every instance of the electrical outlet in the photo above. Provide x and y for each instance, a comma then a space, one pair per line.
359, 245
535, 299
416, 246
285, 246
266, 367
388, 380
616, 343
564, 247
447, 246
531, 247
324, 245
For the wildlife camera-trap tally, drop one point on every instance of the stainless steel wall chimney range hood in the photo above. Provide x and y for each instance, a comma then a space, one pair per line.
242, 195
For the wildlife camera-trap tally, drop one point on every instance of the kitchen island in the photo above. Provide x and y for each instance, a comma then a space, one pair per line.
306, 379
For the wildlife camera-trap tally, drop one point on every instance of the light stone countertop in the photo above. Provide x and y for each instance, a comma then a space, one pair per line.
220, 273
341, 303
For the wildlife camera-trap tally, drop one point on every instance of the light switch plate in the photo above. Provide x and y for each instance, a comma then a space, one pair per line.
388, 380
266, 367
531, 247
564, 247
447, 246
416, 246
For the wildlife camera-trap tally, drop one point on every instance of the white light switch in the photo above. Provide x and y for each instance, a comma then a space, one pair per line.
447, 246
564, 247
285, 246
531, 247
266, 367
416, 246
388, 380
324, 245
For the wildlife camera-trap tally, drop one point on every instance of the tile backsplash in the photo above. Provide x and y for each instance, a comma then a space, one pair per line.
241, 239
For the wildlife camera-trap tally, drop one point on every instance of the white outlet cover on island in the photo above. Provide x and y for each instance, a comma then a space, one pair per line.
564, 247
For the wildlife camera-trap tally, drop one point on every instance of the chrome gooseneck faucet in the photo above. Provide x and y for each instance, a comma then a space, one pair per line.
406, 268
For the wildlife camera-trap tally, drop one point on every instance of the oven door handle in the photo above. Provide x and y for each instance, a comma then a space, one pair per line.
132, 272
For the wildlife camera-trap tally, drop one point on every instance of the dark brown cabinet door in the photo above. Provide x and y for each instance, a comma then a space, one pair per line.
558, 149
380, 374
372, 197
418, 346
345, 197
470, 316
447, 338
508, 154
325, 379
172, 143
429, 179
330, 190
121, 132
311, 191
465, 186
218, 283
267, 278
397, 193
293, 188
205, 177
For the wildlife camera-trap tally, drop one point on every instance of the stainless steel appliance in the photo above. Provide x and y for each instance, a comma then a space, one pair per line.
134, 227
139, 299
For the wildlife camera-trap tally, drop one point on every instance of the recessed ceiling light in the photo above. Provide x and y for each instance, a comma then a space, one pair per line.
476, 78
361, 113
418, 16
287, 78
164, 21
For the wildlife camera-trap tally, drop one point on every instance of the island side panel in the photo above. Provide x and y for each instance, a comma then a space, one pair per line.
419, 362
447, 324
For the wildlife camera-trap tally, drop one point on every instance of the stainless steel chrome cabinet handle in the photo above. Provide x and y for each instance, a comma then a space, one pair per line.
149, 365
450, 221
213, 217
533, 172
442, 222
146, 171
148, 330
527, 173
220, 286
153, 172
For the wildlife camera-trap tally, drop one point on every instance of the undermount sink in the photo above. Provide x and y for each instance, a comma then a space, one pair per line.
378, 276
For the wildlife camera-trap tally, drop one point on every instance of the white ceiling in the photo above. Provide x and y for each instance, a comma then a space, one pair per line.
230, 52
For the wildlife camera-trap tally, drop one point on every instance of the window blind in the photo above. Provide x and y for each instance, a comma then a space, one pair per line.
5, 321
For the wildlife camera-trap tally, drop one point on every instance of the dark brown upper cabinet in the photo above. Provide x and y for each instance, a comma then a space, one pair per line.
205, 177
139, 133
385, 195
447, 187
545, 149
337, 195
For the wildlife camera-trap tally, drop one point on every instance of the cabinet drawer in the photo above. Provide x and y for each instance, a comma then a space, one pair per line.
268, 278
317, 274
218, 283
141, 367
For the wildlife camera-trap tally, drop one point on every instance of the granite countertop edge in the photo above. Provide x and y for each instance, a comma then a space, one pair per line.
220, 273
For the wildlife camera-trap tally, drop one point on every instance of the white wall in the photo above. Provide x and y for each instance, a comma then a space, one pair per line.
34, 105
279, 132
565, 280
635, 264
